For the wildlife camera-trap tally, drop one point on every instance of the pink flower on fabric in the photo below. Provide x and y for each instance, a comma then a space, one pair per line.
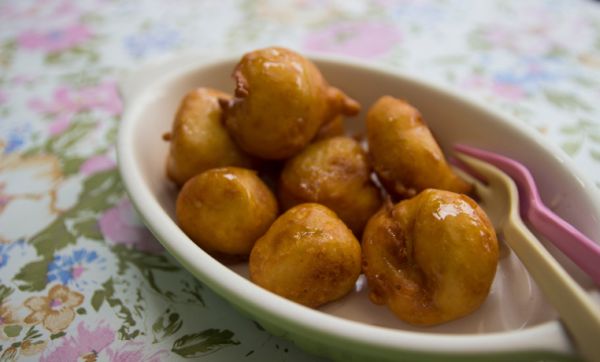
97, 164
47, 11
136, 351
364, 40
86, 343
55, 40
3, 97
66, 102
121, 225
22, 79
509, 92
474, 82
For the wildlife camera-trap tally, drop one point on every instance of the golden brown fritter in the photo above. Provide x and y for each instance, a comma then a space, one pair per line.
281, 101
333, 172
405, 156
225, 210
308, 256
431, 259
199, 140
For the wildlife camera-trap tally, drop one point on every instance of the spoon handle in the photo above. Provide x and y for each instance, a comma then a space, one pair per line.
572, 242
577, 311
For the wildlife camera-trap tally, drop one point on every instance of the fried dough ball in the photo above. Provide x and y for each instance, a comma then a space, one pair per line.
281, 101
406, 157
308, 256
431, 259
333, 172
198, 139
225, 210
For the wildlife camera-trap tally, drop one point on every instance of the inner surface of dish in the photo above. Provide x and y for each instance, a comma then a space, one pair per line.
514, 302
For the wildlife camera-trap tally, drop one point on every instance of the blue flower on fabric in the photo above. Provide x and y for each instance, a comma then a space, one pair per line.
156, 39
6, 249
15, 139
70, 268
531, 73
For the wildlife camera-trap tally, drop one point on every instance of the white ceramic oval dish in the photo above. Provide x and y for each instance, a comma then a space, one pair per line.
514, 324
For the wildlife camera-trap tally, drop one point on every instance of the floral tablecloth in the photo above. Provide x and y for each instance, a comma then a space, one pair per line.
80, 276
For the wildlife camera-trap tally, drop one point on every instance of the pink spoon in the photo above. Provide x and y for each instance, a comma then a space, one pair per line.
572, 242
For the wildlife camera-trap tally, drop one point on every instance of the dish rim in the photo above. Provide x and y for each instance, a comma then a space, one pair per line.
548, 336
